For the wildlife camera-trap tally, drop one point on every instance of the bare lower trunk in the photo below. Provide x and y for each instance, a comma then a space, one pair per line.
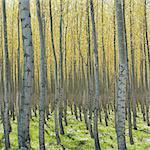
56, 108
80, 112
56, 119
42, 80
97, 88
147, 111
60, 122
75, 109
121, 88
121, 97
6, 122
24, 116
61, 86
90, 124
85, 118
134, 113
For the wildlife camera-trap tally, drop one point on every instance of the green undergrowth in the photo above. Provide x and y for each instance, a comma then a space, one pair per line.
77, 137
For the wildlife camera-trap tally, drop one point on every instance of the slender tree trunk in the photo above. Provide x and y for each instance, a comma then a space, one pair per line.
18, 67
89, 71
146, 30
19, 77
128, 82
142, 78
75, 82
146, 84
24, 116
61, 86
133, 71
56, 117
1, 74
104, 65
121, 89
148, 50
6, 122
97, 85
11, 73
115, 66
42, 80
66, 79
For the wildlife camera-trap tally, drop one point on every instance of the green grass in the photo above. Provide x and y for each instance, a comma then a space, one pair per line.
77, 137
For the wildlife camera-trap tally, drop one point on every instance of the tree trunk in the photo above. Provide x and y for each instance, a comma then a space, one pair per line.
115, 65
42, 80
61, 86
66, 79
6, 122
121, 89
56, 117
24, 116
97, 88
104, 65
128, 82
133, 71
146, 30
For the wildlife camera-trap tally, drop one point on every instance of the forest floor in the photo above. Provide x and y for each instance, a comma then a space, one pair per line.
77, 137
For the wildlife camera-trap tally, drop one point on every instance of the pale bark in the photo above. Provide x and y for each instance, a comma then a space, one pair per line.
146, 30
121, 89
24, 116
146, 84
89, 71
11, 71
61, 86
56, 117
146, 47
97, 85
66, 79
6, 122
75, 79
128, 82
18, 69
115, 65
1, 75
42, 80
133, 70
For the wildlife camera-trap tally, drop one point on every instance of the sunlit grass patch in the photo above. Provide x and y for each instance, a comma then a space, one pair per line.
77, 137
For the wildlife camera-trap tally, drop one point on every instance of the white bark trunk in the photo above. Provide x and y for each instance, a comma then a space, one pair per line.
6, 123
121, 89
97, 86
24, 116
42, 80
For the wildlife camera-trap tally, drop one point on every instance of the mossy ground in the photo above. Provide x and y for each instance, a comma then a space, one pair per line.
77, 137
